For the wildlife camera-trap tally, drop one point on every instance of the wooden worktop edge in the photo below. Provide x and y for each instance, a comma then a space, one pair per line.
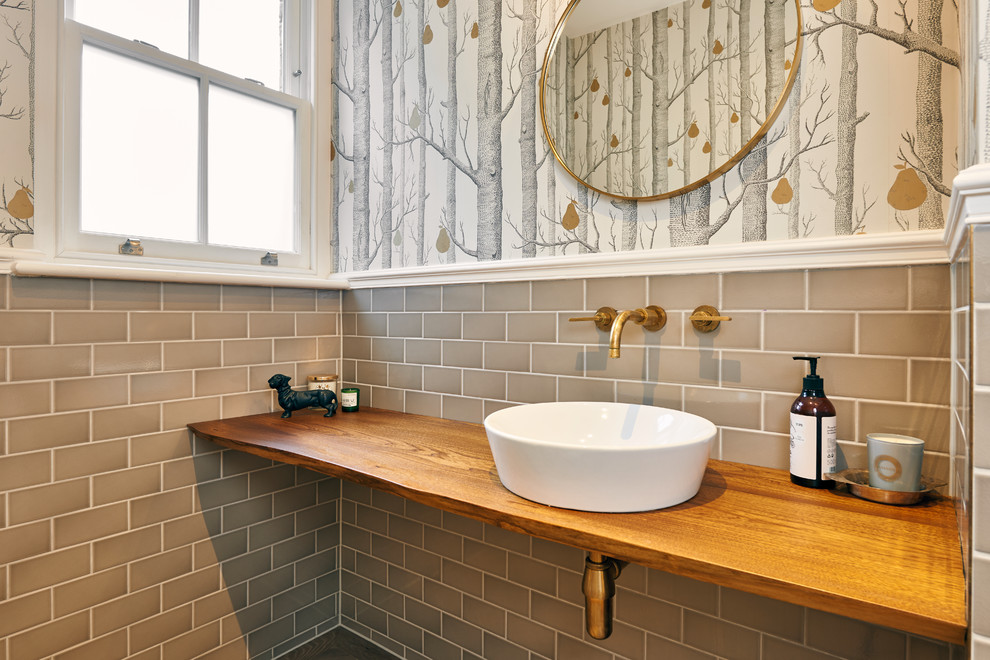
949, 628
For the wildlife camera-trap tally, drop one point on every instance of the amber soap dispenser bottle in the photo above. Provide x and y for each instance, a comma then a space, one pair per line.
813, 447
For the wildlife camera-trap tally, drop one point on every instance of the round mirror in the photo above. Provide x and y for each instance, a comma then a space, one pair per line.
647, 99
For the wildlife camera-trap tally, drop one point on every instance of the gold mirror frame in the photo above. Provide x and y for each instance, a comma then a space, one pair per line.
711, 176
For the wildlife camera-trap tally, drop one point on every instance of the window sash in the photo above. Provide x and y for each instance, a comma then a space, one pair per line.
72, 242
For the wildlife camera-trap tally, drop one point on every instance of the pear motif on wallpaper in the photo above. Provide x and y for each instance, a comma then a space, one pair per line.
571, 218
783, 193
825, 5
350, 187
717, 48
414, 119
734, 118
595, 86
670, 162
398, 9
576, 114
787, 65
606, 100
670, 22
628, 72
427, 35
908, 191
706, 4
707, 149
443, 240
333, 152
474, 31
21, 206
397, 239
694, 131
442, 3
615, 141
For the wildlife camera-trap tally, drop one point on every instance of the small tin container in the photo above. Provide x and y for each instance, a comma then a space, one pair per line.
350, 399
323, 382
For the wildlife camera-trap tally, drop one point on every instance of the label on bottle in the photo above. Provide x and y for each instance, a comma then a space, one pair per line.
349, 399
806, 445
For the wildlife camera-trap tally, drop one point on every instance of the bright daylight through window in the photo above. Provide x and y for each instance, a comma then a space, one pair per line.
187, 127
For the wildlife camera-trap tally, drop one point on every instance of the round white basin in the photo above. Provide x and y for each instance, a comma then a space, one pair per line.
609, 457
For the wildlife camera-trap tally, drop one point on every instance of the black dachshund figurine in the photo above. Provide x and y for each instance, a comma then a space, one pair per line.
290, 399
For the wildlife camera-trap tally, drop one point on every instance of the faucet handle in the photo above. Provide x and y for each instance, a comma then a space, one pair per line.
706, 318
603, 318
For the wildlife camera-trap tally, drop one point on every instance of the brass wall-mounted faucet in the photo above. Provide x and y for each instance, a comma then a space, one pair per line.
651, 317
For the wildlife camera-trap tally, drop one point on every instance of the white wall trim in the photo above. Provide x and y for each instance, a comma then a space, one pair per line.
48, 269
970, 205
915, 247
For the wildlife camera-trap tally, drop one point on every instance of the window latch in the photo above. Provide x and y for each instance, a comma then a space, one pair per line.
132, 247
145, 43
256, 82
270, 259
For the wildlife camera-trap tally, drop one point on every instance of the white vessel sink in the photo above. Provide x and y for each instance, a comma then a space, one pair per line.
608, 457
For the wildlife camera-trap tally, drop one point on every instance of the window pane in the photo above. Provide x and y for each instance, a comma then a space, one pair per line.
138, 148
164, 24
243, 38
251, 172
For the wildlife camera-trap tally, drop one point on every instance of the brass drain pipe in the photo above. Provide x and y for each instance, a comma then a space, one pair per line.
598, 586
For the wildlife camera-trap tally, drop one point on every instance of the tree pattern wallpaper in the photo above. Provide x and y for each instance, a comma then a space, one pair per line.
16, 124
439, 154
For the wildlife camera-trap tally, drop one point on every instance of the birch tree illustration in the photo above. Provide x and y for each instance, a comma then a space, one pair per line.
363, 34
336, 142
659, 117
420, 113
584, 196
754, 215
846, 122
813, 137
793, 178
633, 113
451, 130
406, 182
927, 149
19, 205
922, 151
491, 111
388, 138
529, 15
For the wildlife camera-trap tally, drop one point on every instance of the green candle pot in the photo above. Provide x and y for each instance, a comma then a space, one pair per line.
350, 399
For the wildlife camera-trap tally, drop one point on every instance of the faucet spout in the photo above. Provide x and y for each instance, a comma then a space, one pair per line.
615, 337
651, 318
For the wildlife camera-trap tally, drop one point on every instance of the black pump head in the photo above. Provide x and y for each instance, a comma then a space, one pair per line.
813, 383
813, 361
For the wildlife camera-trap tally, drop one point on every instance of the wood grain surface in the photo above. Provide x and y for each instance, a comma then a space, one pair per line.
748, 528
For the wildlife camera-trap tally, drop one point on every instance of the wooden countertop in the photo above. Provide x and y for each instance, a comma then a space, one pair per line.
748, 528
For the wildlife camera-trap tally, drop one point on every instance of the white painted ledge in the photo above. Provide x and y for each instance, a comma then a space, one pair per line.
47, 269
970, 205
907, 248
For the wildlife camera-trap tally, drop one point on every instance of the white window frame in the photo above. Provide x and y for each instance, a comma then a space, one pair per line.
67, 244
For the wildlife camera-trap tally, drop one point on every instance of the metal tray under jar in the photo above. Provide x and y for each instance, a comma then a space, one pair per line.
858, 480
